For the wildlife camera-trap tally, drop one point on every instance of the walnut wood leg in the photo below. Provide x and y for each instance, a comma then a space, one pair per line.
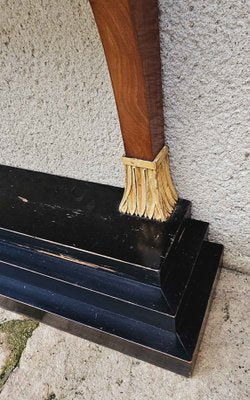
129, 32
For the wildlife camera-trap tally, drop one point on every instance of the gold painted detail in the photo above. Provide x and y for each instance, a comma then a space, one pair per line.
149, 190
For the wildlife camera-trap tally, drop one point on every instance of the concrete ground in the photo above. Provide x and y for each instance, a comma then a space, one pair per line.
57, 366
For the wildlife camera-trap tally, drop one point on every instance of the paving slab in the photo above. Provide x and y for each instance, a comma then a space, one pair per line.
58, 366
4, 352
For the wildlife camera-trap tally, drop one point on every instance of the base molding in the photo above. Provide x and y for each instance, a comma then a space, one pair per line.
69, 259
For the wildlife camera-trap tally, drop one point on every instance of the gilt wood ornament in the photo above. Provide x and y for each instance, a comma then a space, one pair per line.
149, 190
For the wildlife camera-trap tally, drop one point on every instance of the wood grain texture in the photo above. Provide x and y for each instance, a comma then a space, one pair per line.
129, 32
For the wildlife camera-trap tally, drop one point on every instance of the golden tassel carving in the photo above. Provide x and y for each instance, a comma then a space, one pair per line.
149, 190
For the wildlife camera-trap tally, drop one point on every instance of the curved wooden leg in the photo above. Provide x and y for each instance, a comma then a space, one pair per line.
129, 32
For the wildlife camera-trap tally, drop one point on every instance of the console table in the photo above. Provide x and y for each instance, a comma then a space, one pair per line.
130, 270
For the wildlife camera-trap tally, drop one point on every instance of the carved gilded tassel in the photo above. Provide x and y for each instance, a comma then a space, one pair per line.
149, 190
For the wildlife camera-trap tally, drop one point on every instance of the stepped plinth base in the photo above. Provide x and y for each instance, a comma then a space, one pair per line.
71, 260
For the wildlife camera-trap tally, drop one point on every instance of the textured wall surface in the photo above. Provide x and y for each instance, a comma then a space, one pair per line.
58, 113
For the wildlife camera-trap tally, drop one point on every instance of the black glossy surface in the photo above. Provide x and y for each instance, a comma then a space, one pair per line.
68, 258
54, 305
85, 216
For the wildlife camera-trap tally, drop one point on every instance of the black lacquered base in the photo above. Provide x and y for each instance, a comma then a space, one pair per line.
69, 259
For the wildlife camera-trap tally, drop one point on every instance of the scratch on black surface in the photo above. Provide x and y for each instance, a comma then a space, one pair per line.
23, 199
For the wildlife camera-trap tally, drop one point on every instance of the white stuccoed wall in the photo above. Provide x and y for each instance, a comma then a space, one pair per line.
58, 113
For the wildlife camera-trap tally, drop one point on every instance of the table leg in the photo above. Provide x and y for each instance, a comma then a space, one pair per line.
129, 31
